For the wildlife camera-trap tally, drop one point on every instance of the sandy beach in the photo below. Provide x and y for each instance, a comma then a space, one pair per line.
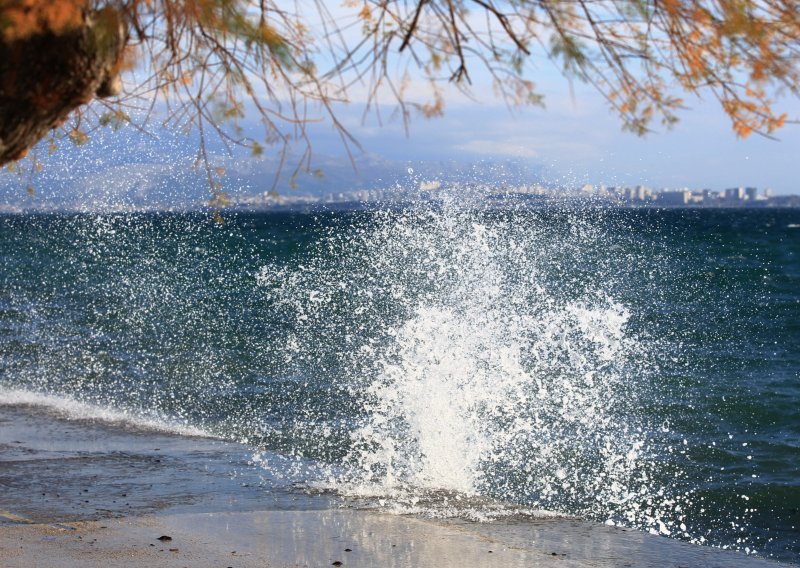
83, 493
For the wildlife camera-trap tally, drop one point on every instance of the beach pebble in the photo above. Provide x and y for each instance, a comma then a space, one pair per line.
164, 538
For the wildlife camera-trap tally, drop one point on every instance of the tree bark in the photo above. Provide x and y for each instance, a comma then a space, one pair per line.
47, 75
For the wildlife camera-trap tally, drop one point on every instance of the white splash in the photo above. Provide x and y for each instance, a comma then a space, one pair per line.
491, 361
73, 409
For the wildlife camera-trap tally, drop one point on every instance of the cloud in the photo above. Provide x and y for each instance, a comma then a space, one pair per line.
495, 148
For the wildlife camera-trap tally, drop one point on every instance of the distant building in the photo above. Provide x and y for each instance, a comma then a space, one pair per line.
675, 198
696, 197
734, 194
751, 193
712, 197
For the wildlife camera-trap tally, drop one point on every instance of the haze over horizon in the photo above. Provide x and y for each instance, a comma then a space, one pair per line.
573, 141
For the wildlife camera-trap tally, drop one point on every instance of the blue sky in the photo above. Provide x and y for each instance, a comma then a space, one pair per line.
575, 139
572, 141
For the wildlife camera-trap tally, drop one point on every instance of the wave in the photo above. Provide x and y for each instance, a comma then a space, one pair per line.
73, 409
491, 358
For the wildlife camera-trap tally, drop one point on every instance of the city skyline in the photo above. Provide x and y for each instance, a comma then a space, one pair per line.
535, 194
573, 144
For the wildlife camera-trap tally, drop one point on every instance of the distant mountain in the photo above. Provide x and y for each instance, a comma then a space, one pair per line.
129, 169
333, 174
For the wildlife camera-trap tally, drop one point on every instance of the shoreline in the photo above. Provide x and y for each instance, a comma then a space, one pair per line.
87, 493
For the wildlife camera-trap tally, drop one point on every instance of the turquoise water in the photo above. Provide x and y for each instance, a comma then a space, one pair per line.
634, 367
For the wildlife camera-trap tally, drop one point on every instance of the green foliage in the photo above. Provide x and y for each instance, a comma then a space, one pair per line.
78, 137
116, 119
206, 61
569, 50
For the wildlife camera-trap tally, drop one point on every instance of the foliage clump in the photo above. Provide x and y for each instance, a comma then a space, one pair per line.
206, 61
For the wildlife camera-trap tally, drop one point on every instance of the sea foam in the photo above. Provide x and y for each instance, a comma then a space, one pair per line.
74, 409
490, 360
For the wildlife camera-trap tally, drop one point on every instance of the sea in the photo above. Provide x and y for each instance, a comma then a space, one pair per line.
633, 367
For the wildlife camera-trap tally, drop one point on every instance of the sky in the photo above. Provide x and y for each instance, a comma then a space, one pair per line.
575, 140
572, 141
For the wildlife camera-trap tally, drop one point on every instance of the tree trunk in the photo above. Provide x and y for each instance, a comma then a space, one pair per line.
46, 75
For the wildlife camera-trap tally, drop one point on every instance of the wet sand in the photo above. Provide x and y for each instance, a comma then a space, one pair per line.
80, 493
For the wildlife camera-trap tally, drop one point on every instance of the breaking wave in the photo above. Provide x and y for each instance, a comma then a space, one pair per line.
490, 358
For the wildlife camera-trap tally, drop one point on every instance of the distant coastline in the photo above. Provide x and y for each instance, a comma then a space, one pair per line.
534, 195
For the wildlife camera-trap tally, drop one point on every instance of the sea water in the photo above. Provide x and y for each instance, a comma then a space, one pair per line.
633, 367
